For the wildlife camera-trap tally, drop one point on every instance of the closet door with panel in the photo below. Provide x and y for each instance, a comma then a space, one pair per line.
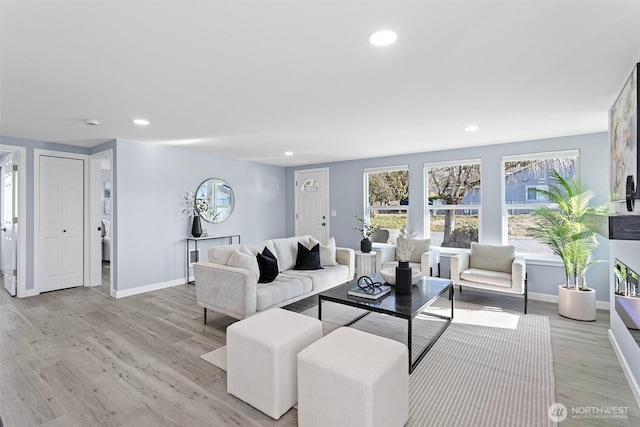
61, 223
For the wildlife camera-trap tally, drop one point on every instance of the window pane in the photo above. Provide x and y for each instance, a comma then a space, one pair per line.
392, 221
454, 185
524, 176
518, 223
388, 188
463, 224
388, 200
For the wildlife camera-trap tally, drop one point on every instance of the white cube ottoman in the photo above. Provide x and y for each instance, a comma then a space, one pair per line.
353, 378
262, 362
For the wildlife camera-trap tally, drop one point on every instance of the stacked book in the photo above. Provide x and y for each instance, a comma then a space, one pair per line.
373, 292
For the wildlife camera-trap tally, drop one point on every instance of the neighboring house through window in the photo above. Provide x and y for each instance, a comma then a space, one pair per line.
523, 175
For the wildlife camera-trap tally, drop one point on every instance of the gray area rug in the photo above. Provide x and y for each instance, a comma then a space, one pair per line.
491, 367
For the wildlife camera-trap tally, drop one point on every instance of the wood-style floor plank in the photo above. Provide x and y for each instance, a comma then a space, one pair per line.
80, 358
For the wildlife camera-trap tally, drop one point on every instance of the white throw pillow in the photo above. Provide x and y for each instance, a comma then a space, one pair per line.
327, 252
242, 260
492, 257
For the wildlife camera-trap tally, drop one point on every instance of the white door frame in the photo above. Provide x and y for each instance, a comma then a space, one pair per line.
95, 217
37, 255
295, 198
21, 253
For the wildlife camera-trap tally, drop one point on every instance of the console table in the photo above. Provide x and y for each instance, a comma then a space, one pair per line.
195, 240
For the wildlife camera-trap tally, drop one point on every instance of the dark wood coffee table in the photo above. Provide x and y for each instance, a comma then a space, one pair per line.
405, 306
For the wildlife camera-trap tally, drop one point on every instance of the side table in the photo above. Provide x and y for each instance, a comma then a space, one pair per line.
365, 263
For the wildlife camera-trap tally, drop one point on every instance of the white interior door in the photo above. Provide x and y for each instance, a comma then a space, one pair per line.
312, 203
9, 212
62, 223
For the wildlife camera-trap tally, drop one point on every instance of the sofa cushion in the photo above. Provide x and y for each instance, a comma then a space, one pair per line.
327, 252
287, 250
420, 246
492, 257
325, 278
220, 254
240, 259
308, 259
496, 278
256, 248
268, 266
284, 287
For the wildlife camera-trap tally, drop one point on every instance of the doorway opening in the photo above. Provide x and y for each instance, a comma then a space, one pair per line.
102, 221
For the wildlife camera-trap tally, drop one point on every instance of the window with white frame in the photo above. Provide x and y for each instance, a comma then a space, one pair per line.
387, 198
454, 202
523, 175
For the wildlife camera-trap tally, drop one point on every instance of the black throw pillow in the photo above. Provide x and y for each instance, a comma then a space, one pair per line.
308, 259
268, 265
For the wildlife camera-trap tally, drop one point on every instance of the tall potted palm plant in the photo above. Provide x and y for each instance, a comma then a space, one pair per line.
562, 228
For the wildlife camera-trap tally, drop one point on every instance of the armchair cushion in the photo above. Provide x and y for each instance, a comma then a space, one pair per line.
492, 257
420, 246
496, 278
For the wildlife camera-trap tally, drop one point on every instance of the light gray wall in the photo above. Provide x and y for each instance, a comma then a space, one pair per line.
151, 228
347, 195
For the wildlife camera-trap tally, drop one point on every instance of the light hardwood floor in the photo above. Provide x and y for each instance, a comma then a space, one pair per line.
80, 358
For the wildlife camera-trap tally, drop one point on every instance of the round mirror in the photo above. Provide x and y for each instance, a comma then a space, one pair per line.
214, 200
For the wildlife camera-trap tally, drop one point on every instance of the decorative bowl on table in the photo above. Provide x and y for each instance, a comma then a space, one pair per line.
389, 276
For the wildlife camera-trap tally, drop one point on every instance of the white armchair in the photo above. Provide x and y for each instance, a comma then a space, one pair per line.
493, 268
424, 258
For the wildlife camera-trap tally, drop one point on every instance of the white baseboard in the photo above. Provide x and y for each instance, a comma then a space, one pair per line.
635, 389
602, 305
147, 288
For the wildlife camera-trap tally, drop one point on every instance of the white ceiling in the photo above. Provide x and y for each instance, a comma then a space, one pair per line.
251, 80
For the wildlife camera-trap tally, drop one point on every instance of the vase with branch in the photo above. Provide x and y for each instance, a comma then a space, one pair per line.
366, 229
405, 245
193, 206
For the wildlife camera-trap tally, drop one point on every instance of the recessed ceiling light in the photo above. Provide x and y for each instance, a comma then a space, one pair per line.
141, 122
383, 38
288, 153
471, 128
92, 122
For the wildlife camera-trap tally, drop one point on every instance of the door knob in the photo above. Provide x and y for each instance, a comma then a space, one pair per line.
3, 229
324, 223
64, 231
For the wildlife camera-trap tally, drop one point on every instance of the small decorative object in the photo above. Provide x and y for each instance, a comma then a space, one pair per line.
366, 288
403, 250
193, 206
196, 226
366, 230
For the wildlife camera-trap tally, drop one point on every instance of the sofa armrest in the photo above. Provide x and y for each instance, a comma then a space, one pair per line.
518, 274
429, 262
347, 256
228, 290
459, 263
385, 254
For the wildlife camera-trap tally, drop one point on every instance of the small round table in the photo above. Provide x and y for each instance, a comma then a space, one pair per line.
365, 263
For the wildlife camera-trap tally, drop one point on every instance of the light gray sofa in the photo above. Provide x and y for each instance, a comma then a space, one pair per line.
228, 283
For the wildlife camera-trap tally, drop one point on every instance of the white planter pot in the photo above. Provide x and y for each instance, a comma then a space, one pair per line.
578, 305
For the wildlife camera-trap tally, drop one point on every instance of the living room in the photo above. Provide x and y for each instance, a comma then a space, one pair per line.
150, 177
